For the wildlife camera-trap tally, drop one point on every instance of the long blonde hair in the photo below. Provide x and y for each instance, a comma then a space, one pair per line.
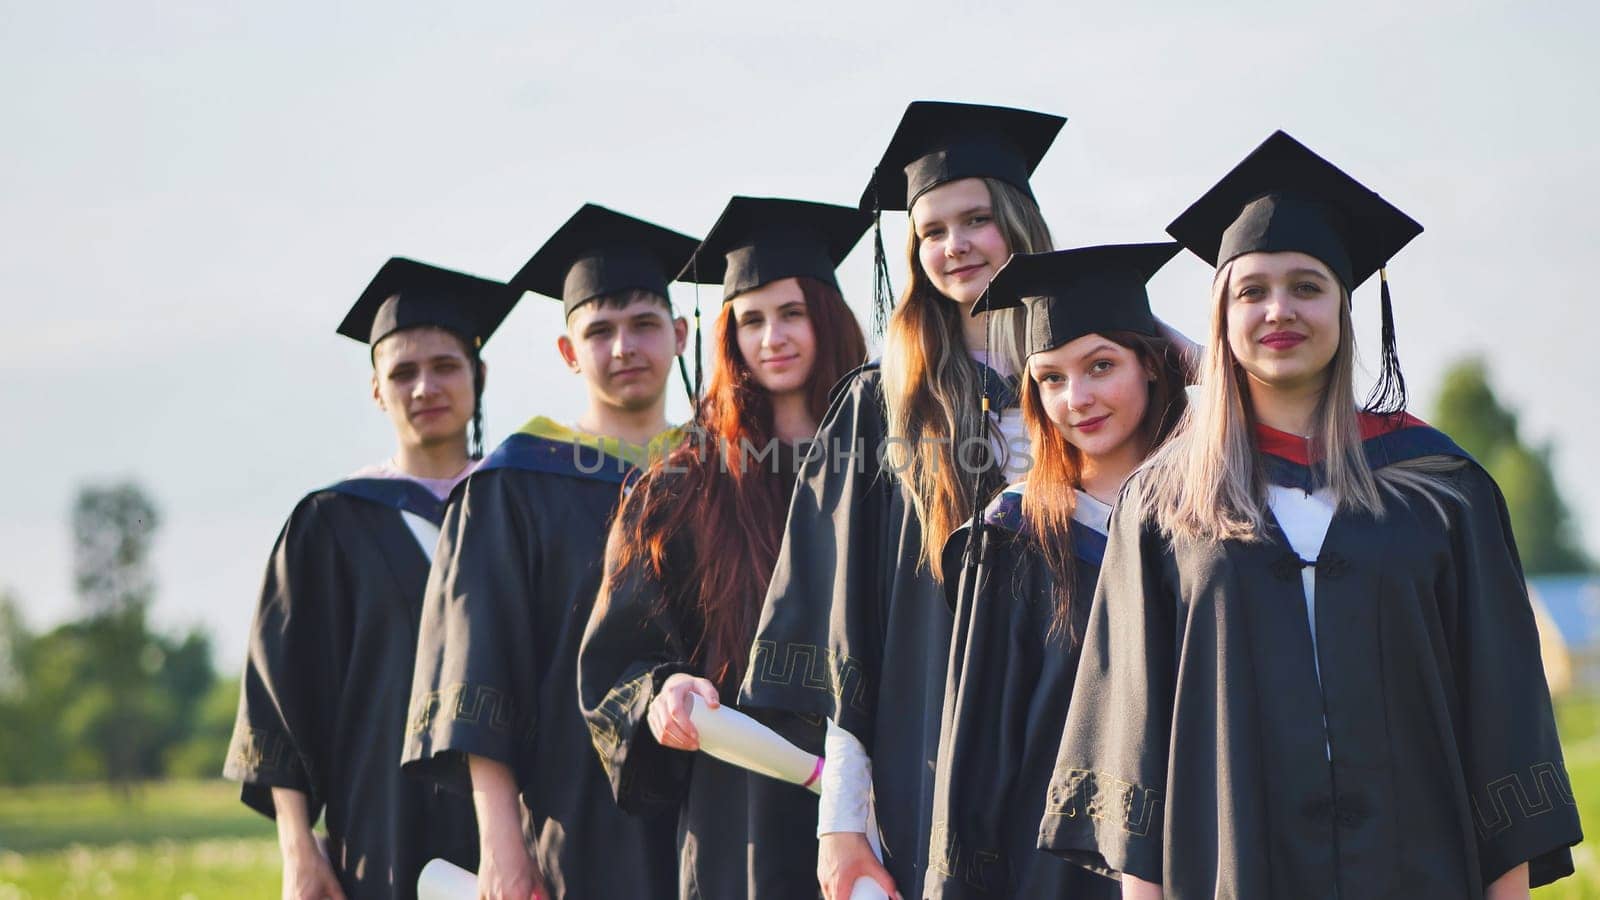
1208, 482
932, 386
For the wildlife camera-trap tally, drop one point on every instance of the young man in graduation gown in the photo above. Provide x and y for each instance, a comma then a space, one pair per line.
494, 693
323, 705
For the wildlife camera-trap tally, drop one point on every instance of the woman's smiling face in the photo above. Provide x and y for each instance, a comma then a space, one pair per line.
1095, 391
1283, 318
959, 242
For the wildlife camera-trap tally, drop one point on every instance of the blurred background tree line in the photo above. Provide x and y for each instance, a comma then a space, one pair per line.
1469, 411
105, 697
108, 698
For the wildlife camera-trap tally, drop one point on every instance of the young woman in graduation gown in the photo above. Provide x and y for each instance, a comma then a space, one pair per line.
1311, 669
323, 700
855, 627
693, 546
1100, 388
494, 692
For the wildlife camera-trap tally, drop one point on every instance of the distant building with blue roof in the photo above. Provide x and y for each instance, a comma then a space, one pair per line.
1569, 606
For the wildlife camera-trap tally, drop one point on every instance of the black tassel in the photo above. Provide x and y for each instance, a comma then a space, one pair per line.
1389, 393
970, 555
683, 370
688, 385
475, 434
882, 290
699, 361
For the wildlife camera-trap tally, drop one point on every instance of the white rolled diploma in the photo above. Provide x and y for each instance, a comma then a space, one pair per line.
738, 740
441, 880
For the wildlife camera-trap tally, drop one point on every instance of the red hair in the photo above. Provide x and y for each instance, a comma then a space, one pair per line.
731, 510
1057, 471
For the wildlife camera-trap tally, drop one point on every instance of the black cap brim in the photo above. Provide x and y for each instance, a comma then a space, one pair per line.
410, 294
598, 252
1086, 290
1283, 197
941, 142
759, 240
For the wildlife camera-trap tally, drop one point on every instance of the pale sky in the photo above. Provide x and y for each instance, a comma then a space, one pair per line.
190, 198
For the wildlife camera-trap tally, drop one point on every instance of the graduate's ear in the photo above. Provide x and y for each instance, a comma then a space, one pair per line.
569, 353
377, 396
680, 329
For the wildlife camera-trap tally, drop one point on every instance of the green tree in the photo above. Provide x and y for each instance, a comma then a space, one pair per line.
120, 714
112, 529
33, 741
18, 719
201, 755
1469, 411
14, 639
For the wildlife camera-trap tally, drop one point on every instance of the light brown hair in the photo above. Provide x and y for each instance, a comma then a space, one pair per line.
932, 386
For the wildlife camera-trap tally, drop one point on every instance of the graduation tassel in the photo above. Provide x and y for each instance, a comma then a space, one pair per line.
971, 555
698, 360
693, 387
882, 290
475, 434
1389, 393
974, 541
688, 385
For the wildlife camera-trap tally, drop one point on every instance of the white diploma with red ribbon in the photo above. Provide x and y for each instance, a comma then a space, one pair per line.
738, 740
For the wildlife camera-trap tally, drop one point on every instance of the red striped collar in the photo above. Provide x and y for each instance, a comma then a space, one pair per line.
1296, 449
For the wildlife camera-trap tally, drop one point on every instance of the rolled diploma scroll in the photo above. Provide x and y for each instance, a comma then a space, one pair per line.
441, 880
738, 740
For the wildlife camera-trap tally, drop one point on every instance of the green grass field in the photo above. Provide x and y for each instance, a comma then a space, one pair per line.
204, 868
170, 840
194, 840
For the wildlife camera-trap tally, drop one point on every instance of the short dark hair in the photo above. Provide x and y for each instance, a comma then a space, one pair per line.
627, 297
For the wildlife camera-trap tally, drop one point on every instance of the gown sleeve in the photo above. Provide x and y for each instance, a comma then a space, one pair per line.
818, 643
631, 645
474, 658
1522, 799
284, 722
1103, 809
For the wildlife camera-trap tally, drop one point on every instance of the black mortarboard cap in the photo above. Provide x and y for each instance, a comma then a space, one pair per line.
1284, 197
1088, 290
759, 240
409, 294
938, 142
599, 252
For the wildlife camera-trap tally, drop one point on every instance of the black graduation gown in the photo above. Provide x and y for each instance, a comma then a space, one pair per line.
740, 835
853, 629
1005, 703
1195, 753
516, 573
323, 698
